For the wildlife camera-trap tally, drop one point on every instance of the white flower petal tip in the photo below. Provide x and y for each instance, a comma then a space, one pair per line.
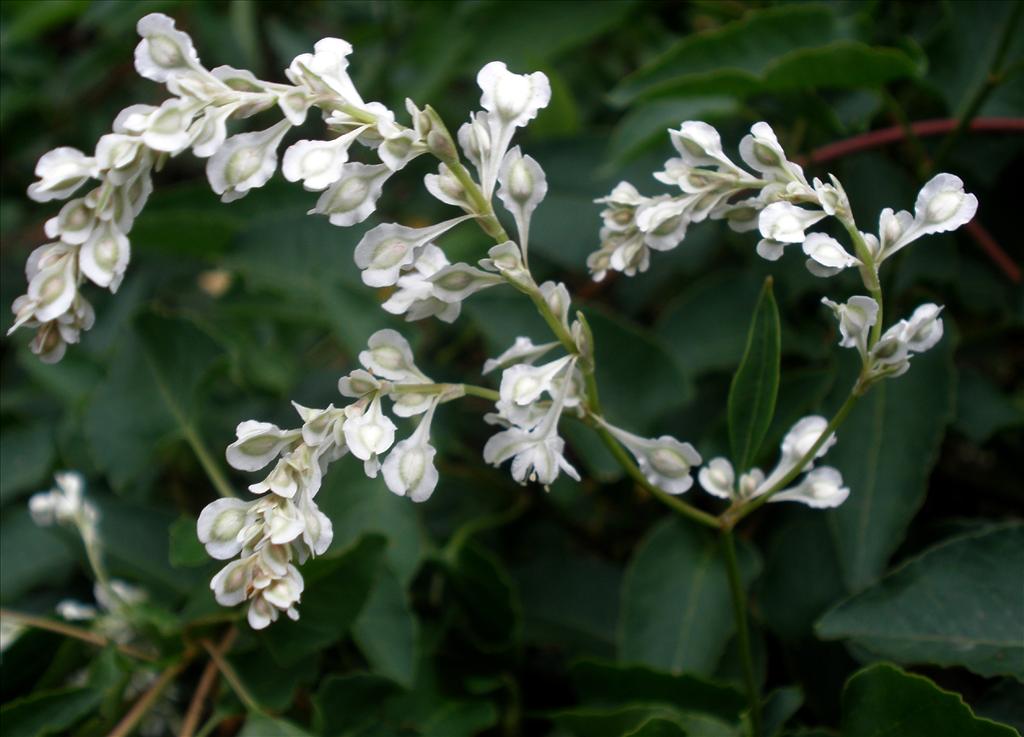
515, 98
718, 478
822, 488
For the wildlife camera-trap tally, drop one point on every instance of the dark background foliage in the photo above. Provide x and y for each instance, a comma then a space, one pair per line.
494, 609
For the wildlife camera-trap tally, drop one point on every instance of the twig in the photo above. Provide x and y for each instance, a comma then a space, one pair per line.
232, 678
896, 133
78, 633
207, 681
130, 720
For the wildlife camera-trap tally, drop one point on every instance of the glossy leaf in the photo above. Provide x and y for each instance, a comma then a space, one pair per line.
885, 451
387, 632
958, 603
676, 605
881, 696
755, 385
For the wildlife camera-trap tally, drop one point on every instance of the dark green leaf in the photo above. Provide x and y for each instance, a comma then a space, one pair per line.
883, 700
336, 591
657, 727
651, 121
387, 632
343, 703
31, 555
676, 605
755, 386
601, 683
958, 603
885, 451
48, 712
487, 596
779, 707
590, 722
260, 725
26, 459
186, 550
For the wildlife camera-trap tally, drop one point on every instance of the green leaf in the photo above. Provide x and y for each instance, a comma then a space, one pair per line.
343, 703
260, 725
755, 386
619, 722
336, 591
657, 727
31, 555
885, 451
788, 47
387, 632
628, 357
601, 683
676, 606
649, 122
958, 603
48, 712
27, 455
487, 597
779, 707
186, 551
358, 506
882, 700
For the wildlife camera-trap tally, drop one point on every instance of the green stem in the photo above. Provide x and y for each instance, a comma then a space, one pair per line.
737, 512
739, 605
470, 389
211, 467
868, 273
675, 503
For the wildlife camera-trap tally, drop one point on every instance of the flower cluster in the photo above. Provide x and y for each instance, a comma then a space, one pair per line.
821, 487
90, 234
285, 524
890, 355
777, 200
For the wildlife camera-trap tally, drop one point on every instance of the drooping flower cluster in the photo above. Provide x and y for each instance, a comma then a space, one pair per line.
784, 207
821, 487
285, 524
90, 234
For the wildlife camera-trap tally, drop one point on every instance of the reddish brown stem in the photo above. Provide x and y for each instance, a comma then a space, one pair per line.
922, 128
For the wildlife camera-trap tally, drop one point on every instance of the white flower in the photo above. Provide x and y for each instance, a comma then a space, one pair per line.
941, 206
762, 152
324, 72
512, 101
73, 224
827, 256
389, 355
75, 611
369, 433
317, 531
785, 223
219, 526
318, 164
523, 384
663, 222
52, 290
890, 355
447, 188
523, 186
924, 328
358, 384
718, 478
856, 318
456, 282
832, 197
665, 461
537, 452
167, 128
164, 50
105, 256
245, 161
353, 197
258, 444
386, 248
802, 437
297, 470
523, 351
475, 139
60, 171
822, 488
415, 296
699, 144
409, 469
63, 504
230, 583
211, 130
514, 98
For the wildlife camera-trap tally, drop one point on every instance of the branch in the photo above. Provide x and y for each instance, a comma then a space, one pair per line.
145, 702
895, 134
207, 681
68, 630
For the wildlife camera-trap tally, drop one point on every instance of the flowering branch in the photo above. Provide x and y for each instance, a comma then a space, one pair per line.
78, 633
